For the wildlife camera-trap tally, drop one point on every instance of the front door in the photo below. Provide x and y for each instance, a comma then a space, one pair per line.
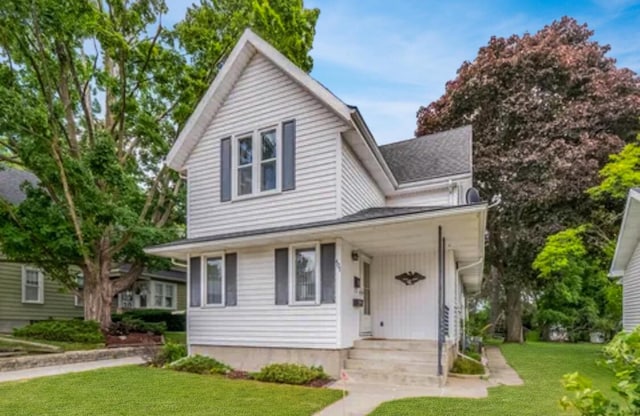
365, 311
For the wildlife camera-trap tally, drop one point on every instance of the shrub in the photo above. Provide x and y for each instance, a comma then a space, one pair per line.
473, 354
200, 364
465, 366
290, 374
168, 354
87, 332
623, 358
173, 322
128, 325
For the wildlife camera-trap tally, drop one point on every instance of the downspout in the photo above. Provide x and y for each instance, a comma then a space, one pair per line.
440, 301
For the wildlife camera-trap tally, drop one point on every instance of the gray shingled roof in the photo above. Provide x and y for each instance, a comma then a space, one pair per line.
431, 156
172, 275
360, 216
11, 181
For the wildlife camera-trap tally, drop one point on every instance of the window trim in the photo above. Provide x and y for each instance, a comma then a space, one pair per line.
256, 162
203, 281
152, 304
292, 274
40, 299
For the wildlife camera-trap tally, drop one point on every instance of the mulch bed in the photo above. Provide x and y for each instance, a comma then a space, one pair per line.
245, 375
133, 339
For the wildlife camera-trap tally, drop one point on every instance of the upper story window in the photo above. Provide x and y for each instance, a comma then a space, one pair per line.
256, 162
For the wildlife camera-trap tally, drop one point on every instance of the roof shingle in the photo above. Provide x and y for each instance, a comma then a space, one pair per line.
11, 181
432, 156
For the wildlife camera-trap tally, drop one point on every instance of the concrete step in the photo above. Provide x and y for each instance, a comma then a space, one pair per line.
392, 366
394, 355
396, 344
385, 377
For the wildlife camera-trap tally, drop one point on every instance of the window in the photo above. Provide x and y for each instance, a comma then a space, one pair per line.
256, 162
77, 299
32, 285
245, 165
268, 160
214, 282
149, 294
305, 274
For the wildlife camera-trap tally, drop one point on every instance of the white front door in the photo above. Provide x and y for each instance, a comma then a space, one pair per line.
365, 311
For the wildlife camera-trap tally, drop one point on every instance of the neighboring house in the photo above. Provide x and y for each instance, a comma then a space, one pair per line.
306, 239
626, 261
26, 295
161, 289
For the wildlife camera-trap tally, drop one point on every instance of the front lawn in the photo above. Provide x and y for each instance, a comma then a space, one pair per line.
134, 390
176, 337
541, 365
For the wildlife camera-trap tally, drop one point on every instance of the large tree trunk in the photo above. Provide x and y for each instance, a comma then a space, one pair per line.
495, 304
98, 296
514, 314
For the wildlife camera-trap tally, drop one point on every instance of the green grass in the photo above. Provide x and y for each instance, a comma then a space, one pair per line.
134, 390
541, 365
176, 337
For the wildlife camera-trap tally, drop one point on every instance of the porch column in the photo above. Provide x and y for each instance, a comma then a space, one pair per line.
441, 300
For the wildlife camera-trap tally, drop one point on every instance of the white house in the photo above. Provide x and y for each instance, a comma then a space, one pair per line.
308, 242
626, 261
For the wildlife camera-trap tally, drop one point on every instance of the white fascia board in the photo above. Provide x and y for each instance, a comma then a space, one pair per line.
631, 208
259, 239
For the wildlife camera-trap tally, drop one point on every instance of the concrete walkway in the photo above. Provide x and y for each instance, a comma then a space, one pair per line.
66, 368
364, 398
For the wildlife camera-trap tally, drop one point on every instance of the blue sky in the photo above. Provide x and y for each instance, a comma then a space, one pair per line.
390, 57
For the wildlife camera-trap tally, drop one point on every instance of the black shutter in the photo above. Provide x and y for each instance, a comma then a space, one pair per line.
195, 279
289, 155
328, 273
282, 276
225, 169
231, 279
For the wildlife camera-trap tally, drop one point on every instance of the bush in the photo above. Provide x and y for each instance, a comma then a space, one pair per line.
465, 366
168, 354
86, 332
200, 364
473, 354
290, 374
173, 322
127, 326
623, 358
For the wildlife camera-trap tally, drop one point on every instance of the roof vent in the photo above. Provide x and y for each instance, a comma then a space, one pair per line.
473, 196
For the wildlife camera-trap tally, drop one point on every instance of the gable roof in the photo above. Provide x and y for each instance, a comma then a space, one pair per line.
11, 181
247, 46
629, 236
432, 156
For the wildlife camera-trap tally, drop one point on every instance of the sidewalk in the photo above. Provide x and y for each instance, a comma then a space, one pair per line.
364, 398
66, 368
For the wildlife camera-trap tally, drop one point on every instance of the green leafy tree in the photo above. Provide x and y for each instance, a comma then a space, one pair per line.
573, 289
92, 96
547, 109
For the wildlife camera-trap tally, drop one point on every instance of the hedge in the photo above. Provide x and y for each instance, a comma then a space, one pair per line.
174, 322
74, 330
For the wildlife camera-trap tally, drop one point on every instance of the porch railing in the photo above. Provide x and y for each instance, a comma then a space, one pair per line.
445, 322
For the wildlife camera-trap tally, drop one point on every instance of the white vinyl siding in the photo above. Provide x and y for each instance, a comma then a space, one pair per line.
359, 191
256, 320
406, 312
435, 197
631, 292
265, 96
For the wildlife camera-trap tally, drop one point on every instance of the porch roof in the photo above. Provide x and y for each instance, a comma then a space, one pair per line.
373, 231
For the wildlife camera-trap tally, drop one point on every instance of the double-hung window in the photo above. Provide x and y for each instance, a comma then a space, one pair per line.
164, 295
213, 281
32, 285
78, 299
256, 162
305, 276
